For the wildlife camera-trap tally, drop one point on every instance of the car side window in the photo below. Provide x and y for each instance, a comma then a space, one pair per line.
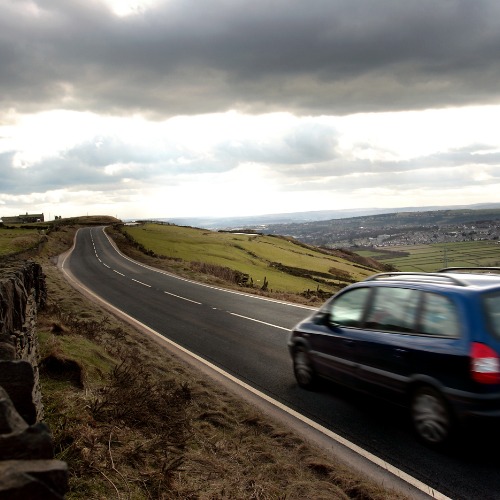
348, 309
393, 310
439, 316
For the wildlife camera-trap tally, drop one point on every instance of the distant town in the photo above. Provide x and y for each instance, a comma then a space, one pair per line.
395, 229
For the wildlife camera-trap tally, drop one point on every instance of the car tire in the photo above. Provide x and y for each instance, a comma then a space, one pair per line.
431, 417
303, 369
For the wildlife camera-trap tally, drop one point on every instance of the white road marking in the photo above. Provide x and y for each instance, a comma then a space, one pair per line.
259, 321
141, 283
183, 298
118, 272
107, 266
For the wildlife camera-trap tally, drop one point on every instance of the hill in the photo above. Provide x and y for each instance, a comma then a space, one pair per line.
261, 221
251, 261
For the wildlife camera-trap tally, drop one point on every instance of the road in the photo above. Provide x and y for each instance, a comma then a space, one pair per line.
245, 336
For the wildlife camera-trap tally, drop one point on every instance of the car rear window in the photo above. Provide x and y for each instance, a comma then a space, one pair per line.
492, 308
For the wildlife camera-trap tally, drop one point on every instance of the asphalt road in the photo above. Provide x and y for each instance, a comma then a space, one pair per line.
246, 337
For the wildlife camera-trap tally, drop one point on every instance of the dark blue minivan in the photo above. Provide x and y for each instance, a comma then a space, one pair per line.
430, 341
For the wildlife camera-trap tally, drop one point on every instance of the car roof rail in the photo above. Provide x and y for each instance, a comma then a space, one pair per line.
491, 270
420, 277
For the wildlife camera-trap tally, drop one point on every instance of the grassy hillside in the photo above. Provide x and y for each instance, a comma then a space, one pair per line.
14, 240
17, 238
430, 258
275, 263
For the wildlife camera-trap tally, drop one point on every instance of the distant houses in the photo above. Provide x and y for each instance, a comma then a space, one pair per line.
21, 219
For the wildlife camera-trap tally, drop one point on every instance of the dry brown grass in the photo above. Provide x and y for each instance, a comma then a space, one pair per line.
146, 425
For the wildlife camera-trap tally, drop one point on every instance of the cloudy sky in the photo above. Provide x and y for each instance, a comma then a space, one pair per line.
171, 108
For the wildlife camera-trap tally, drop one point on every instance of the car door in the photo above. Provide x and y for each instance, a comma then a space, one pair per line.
333, 346
383, 344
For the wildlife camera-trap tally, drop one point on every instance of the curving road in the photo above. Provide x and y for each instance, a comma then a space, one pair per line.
245, 336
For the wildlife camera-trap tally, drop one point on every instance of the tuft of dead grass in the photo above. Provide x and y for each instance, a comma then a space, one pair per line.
61, 368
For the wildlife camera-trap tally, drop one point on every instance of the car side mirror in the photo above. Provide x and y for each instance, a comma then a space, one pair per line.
322, 318
332, 324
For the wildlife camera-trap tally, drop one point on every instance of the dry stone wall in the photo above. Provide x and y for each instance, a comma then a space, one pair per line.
27, 466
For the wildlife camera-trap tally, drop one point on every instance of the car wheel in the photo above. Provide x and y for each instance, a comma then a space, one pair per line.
302, 367
432, 420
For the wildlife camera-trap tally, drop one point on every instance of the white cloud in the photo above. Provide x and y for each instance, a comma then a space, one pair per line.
236, 164
414, 134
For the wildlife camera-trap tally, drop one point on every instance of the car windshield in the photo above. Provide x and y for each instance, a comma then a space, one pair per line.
492, 306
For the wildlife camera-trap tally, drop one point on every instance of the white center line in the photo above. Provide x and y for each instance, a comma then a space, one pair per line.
141, 283
118, 272
183, 298
258, 321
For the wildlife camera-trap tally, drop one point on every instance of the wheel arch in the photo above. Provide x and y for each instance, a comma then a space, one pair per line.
418, 381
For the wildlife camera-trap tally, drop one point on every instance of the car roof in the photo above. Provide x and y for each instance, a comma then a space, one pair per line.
471, 277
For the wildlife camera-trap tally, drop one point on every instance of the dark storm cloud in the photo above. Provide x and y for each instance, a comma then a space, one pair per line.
187, 56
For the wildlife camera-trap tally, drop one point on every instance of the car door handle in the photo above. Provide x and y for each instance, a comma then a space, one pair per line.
349, 343
400, 353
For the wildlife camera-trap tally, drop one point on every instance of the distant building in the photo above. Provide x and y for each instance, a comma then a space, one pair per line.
20, 219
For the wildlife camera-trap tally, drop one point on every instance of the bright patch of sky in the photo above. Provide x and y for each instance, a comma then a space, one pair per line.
123, 8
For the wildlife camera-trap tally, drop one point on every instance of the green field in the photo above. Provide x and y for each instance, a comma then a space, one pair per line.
430, 258
16, 240
252, 255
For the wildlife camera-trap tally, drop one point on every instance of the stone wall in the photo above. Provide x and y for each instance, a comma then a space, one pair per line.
27, 466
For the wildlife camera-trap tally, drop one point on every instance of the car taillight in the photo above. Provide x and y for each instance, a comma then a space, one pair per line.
485, 364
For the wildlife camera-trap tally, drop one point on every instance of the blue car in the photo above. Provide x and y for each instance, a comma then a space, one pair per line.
429, 341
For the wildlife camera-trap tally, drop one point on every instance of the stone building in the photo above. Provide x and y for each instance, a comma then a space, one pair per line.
22, 219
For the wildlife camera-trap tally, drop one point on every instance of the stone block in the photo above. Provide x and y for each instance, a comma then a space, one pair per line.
10, 420
33, 479
17, 378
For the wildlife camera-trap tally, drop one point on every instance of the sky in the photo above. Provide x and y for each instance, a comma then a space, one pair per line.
185, 108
